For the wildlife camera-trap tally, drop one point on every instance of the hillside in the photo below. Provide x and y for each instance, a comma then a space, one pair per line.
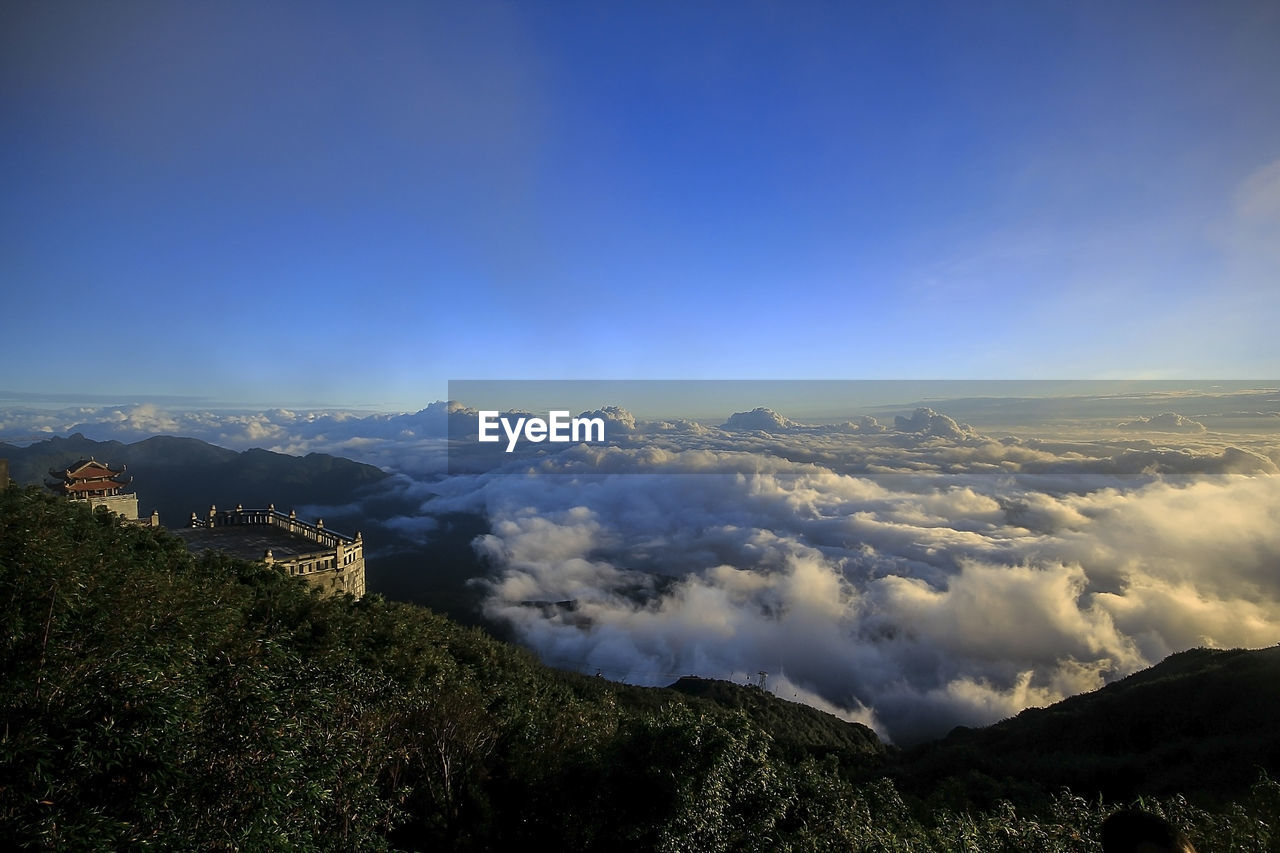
796, 729
1201, 721
152, 698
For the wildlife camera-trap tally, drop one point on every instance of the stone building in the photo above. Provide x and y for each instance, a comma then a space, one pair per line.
98, 484
331, 561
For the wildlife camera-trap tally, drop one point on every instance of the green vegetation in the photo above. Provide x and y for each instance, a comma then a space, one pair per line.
798, 731
152, 699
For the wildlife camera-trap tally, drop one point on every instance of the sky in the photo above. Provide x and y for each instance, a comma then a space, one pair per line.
352, 204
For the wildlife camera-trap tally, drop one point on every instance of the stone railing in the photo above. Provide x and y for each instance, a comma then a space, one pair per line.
340, 552
275, 518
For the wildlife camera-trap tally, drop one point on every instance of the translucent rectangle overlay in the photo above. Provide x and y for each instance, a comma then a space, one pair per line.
1060, 428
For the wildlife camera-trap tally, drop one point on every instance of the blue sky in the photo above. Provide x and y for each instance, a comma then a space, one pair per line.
351, 204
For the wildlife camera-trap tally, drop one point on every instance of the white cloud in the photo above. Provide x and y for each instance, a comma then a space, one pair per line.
916, 602
1164, 422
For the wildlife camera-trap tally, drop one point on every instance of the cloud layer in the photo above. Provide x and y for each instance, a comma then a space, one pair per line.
914, 578
910, 605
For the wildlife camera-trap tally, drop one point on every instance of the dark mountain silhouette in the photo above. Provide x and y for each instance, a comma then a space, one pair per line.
178, 476
1201, 721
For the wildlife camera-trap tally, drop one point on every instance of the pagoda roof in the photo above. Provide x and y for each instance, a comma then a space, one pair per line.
85, 468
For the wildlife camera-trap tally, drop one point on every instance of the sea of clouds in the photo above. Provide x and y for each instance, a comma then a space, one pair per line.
909, 571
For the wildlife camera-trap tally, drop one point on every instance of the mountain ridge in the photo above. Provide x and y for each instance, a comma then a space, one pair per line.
178, 475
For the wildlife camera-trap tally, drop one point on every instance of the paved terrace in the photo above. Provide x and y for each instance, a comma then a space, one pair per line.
249, 542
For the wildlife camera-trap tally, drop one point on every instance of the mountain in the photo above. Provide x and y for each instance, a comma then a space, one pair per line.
1201, 721
178, 476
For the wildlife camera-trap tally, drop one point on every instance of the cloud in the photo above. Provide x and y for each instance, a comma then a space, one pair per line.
418, 528
918, 604
615, 417
926, 421
1257, 210
760, 419
1164, 422
766, 420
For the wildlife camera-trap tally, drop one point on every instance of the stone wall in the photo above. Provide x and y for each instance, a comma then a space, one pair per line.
123, 505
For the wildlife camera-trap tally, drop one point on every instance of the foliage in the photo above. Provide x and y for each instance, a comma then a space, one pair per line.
797, 730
